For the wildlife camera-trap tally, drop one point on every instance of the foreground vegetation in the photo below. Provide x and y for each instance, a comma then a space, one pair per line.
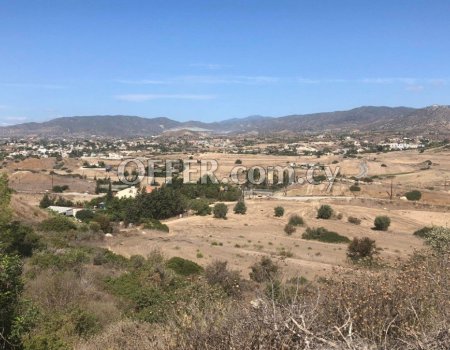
58, 290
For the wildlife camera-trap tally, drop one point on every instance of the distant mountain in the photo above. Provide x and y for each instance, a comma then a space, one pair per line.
433, 118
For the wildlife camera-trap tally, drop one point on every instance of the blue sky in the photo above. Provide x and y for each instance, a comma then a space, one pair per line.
214, 60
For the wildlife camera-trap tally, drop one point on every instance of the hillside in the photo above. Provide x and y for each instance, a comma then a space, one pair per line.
433, 118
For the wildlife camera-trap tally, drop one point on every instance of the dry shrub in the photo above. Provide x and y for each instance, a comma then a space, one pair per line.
124, 335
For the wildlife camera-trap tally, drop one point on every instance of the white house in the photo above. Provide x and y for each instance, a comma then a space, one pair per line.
130, 192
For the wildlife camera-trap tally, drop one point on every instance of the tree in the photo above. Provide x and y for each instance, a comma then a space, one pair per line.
279, 211
361, 248
382, 223
11, 287
240, 208
5, 199
220, 211
324, 212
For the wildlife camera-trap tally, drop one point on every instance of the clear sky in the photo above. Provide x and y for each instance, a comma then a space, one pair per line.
218, 59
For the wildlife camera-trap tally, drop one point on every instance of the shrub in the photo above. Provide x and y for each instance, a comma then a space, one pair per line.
423, 232
296, 220
413, 195
60, 189
220, 211
104, 222
289, 229
183, 267
94, 227
439, 239
324, 212
354, 220
153, 224
238, 161
45, 202
17, 238
85, 215
279, 211
382, 223
264, 270
361, 248
355, 188
240, 208
217, 273
323, 235
57, 223
201, 207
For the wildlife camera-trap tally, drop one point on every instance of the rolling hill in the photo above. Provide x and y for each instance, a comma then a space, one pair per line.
433, 118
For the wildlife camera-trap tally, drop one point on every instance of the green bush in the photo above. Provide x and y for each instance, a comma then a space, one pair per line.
201, 207
323, 235
289, 229
153, 224
439, 239
279, 211
104, 221
17, 238
240, 208
361, 248
220, 211
65, 259
423, 232
296, 220
324, 212
354, 220
183, 267
58, 223
413, 195
60, 189
85, 215
382, 223
355, 188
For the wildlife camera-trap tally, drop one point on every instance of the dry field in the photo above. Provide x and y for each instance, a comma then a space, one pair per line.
242, 239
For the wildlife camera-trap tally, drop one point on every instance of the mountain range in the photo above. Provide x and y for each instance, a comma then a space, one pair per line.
367, 118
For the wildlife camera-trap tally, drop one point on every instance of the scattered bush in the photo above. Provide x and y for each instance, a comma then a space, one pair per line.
279, 211
355, 188
60, 189
220, 211
217, 273
413, 195
289, 229
361, 248
354, 220
264, 270
85, 215
296, 220
238, 161
324, 212
153, 224
423, 232
439, 239
240, 208
183, 267
59, 223
323, 235
382, 223
17, 238
201, 207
